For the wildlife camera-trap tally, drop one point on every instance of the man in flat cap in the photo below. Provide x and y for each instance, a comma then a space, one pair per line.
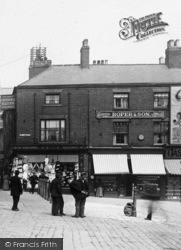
16, 190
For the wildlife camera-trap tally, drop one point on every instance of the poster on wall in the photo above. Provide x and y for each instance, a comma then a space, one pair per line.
175, 115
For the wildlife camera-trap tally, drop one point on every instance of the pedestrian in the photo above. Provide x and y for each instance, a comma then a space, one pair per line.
42, 176
152, 205
99, 190
16, 190
33, 181
80, 190
56, 194
5, 182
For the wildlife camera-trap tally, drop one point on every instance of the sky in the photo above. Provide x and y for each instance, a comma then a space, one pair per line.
62, 25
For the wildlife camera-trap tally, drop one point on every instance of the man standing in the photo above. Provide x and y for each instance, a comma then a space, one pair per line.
33, 181
56, 193
16, 190
79, 189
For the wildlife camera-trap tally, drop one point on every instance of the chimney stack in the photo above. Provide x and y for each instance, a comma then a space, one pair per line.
173, 54
38, 61
84, 54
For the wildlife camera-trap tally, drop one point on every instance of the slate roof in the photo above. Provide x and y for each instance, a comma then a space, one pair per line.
106, 74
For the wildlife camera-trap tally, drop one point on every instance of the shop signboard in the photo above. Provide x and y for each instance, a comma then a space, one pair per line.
7, 102
130, 114
175, 115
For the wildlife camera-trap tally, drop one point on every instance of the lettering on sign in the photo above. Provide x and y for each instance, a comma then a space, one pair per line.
130, 114
173, 153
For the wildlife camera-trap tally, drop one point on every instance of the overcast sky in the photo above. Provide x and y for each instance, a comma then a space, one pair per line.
62, 25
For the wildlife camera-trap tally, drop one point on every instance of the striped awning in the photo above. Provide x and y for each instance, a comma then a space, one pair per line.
149, 164
110, 164
173, 166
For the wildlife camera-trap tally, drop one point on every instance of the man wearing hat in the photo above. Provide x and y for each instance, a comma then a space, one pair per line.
56, 194
80, 190
16, 190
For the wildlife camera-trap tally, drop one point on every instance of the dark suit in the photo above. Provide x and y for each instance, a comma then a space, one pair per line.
16, 190
77, 187
57, 198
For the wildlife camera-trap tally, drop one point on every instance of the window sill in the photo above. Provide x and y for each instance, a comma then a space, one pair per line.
52, 105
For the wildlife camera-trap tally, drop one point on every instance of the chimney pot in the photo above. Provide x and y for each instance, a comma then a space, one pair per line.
106, 61
170, 44
102, 61
94, 62
177, 43
161, 60
98, 62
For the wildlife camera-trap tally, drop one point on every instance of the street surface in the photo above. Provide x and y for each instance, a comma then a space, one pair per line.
105, 226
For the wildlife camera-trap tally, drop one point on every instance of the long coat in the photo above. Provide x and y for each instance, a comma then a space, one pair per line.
56, 188
16, 186
77, 186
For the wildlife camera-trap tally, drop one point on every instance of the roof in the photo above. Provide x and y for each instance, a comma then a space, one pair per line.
105, 74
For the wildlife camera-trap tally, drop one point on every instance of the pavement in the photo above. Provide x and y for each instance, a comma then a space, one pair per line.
104, 227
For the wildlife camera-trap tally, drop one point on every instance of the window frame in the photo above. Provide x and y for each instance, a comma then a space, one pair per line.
124, 133
114, 100
61, 129
52, 94
162, 133
161, 93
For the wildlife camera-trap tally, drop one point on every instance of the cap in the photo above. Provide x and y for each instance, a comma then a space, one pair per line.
16, 172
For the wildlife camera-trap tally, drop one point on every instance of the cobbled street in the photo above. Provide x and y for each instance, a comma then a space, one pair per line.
105, 225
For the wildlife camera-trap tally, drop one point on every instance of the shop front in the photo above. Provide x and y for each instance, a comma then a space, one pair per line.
150, 175
111, 171
67, 164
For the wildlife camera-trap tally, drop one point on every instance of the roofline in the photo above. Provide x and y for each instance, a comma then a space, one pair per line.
98, 85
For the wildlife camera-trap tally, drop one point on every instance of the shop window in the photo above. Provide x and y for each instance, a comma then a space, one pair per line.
53, 131
161, 131
52, 99
161, 100
120, 133
121, 101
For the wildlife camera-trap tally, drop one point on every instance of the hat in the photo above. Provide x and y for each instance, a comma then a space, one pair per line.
16, 172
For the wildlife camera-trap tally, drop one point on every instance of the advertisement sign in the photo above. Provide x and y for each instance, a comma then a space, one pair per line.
7, 102
175, 116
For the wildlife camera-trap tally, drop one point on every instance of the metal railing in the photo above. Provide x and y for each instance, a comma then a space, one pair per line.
44, 189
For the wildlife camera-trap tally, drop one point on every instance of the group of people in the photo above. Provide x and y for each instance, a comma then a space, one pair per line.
78, 188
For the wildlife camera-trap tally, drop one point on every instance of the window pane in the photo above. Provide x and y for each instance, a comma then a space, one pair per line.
53, 130
52, 99
161, 100
121, 101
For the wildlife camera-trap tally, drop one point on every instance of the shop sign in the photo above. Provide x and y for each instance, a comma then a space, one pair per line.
173, 153
7, 102
24, 135
130, 114
175, 121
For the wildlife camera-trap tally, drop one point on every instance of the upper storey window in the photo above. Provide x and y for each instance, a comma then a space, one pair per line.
161, 100
52, 99
121, 100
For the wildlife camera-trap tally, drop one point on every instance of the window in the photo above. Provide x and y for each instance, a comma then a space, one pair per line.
161, 100
121, 100
161, 131
120, 133
52, 99
53, 130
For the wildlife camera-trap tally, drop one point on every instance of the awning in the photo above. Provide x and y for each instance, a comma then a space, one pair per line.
110, 164
149, 164
173, 166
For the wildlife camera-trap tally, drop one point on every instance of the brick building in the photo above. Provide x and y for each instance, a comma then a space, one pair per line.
119, 123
